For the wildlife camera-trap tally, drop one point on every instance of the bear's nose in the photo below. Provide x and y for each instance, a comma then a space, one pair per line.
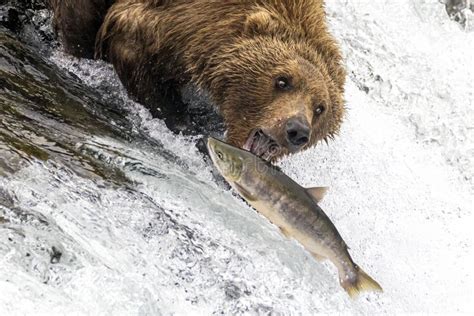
297, 132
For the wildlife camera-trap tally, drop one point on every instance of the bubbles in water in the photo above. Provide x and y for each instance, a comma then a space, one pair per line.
132, 221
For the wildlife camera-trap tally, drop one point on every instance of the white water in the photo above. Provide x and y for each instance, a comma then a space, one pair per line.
401, 179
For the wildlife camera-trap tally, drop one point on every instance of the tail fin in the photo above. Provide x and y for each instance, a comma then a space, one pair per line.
362, 282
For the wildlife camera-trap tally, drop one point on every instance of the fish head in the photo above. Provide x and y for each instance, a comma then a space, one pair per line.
229, 160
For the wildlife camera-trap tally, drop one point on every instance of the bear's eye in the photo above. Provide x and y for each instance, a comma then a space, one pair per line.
283, 83
319, 110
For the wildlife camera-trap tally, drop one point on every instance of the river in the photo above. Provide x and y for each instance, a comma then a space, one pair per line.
103, 210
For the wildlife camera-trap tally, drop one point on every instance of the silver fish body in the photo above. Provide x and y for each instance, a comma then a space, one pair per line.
291, 207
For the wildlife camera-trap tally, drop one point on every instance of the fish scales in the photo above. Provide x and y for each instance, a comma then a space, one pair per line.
292, 208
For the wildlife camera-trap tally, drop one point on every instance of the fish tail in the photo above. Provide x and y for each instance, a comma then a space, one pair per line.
360, 283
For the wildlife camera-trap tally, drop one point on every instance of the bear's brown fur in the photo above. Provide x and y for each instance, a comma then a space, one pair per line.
78, 22
235, 50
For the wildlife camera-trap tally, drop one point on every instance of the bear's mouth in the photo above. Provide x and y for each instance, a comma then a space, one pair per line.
262, 145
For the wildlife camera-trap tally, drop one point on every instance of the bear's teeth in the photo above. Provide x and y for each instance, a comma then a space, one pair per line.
261, 145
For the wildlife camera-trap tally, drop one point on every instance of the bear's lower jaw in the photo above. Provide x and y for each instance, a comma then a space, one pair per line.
262, 145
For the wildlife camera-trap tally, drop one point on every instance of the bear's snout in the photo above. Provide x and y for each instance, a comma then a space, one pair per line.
298, 133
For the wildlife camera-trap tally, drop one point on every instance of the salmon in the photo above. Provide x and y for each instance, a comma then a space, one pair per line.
292, 208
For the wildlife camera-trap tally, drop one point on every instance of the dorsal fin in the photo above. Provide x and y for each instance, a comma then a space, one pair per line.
317, 193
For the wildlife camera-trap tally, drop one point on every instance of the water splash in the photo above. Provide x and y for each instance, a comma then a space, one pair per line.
103, 210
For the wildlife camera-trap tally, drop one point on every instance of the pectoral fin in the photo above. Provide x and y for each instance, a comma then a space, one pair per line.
317, 193
246, 194
318, 257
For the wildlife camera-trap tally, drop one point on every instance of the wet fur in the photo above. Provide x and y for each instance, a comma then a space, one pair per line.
230, 49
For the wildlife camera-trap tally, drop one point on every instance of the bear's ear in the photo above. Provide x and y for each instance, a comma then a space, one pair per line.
260, 22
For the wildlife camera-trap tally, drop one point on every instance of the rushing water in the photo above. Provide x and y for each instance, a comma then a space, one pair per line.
103, 210
98, 213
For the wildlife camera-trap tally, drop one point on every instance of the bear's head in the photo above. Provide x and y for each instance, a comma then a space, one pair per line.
282, 78
286, 90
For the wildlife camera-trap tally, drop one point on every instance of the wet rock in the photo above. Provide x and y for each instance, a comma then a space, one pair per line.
232, 291
20, 15
461, 11
55, 255
10, 18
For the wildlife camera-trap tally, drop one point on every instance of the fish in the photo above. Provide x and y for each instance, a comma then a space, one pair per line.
292, 208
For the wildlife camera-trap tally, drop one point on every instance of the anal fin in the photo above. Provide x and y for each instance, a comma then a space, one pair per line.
285, 232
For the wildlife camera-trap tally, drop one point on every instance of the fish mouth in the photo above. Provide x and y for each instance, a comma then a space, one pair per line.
262, 145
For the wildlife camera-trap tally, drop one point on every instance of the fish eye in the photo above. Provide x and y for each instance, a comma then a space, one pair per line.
219, 155
319, 110
282, 83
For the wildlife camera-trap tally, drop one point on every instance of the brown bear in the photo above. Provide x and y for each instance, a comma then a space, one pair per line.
265, 64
